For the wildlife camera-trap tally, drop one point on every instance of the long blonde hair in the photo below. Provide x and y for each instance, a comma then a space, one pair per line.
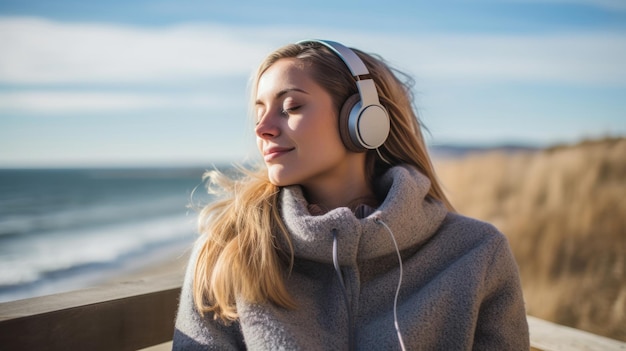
240, 256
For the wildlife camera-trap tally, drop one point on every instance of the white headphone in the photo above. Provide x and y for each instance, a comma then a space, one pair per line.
363, 121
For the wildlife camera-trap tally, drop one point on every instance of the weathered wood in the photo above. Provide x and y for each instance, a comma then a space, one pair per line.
127, 316
548, 336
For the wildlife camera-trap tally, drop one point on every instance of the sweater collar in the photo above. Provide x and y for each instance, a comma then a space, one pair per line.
411, 217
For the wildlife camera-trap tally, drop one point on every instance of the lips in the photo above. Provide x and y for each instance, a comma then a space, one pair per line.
274, 152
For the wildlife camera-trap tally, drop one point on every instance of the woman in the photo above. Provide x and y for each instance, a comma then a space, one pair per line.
344, 239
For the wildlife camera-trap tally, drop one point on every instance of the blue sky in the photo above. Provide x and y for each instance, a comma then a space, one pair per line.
123, 83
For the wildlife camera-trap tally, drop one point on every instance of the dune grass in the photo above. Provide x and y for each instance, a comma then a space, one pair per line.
564, 212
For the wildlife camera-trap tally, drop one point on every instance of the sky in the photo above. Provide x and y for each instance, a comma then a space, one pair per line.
160, 83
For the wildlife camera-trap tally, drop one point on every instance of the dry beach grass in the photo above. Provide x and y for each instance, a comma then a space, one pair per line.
564, 212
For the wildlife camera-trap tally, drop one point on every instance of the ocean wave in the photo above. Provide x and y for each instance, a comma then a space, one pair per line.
31, 261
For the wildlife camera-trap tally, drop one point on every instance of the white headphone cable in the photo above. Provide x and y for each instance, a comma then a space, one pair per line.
384, 160
351, 334
395, 300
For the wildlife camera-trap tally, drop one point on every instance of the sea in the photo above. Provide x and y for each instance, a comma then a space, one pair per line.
67, 229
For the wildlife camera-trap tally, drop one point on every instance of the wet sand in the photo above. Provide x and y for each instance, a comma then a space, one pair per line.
174, 263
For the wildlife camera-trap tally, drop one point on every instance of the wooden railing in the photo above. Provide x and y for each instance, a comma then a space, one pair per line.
548, 336
126, 316
140, 314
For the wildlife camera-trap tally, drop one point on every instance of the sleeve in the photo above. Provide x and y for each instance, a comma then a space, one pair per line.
195, 332
502, 321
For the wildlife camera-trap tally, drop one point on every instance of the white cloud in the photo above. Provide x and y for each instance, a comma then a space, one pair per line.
38, 51
584, 59
41, 51
69, 102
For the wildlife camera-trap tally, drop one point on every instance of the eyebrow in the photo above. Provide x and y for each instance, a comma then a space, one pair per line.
283, 92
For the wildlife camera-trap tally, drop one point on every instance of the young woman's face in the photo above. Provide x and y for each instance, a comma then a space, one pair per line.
297, 129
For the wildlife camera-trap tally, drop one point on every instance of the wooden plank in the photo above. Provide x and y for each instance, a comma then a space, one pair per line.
549, 336
126, 316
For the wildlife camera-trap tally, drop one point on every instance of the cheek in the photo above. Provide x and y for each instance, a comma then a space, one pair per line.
324, 136
320, 126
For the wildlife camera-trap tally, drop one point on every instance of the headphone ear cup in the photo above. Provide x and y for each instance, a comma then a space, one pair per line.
344, 124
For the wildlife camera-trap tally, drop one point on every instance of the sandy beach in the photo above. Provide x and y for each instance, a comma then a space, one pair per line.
174, 262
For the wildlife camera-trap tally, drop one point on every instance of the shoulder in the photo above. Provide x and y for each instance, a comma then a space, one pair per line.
478, 241
468, 229
487, 247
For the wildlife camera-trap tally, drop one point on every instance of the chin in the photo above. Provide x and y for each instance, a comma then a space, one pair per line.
279, 183
279, 178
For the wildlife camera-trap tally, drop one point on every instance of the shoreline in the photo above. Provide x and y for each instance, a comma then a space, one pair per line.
166, 260
172, 262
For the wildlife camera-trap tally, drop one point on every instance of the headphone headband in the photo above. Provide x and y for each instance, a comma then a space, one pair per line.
349, 57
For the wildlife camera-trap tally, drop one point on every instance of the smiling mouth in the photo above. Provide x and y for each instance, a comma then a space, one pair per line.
274, 153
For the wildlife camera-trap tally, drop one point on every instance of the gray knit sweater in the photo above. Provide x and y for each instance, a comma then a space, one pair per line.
460, 289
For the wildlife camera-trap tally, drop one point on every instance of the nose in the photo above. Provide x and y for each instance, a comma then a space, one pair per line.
267, 127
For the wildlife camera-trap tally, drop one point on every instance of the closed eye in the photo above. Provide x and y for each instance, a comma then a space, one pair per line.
291, 109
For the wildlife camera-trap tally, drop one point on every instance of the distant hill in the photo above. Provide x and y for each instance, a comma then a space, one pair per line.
445, 151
